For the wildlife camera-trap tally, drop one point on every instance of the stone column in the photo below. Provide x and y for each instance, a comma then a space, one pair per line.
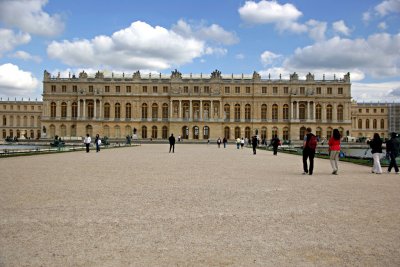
84, 109
308, 111
211, 113
171, 108
100, 110
334, 112
94, 109
201, 109
79, 109
58, 110
314, 111
180, 109
292, 110
190, 110
323, 112
221, 111
69, 109
297, 110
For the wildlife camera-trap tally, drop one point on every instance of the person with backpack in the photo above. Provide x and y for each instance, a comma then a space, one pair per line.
309, 146
334, 150
219, 142
392, 149
376, 149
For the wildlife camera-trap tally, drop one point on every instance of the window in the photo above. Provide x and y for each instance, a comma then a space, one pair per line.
237, 112
382, 110
302, 111
340, 113
247, 133
302, 90
74, 88
144, 111
165, 111
107, 108
382, 123
359, 123
107, 89
329, 112
237, 132
359, 110
90, 88
367, 110
117, 111
318, 112
64, 88
340, 91
196, 89
206, 132
328, 133
227, 132
128, 110
367, 123
374, 110
274, 90
247, 112
227, 112
53, 109
164, 132
165, 89
186, 89
274, 111
247, 90
74, 110
4, 134
144, 89
237, 89
128, 89
329, 90
144, 132
263, 112
155, 89
207, 89
63, 109
53, 88
285, 133
374, 124
286, 90
227, 89
286, 112
154, 132
118, 89
32, 107
154, 111
4, 120
318, 90
264, 90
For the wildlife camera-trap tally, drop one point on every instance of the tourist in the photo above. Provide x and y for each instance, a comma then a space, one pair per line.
219, 142
238, 143
87, 142
254, 143
224, 141
275, 142
179, 138
242, 142
309, 146
392, 148
376, 146
334, 150
97, 141
171, 143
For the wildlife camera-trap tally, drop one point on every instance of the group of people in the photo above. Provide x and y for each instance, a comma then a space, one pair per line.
88, 140
392, 152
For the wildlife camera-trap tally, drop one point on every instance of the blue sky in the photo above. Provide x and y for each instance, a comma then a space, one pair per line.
271, 37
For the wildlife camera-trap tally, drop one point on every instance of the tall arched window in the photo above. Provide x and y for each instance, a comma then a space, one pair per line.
107, 108
206, 132
73, 130
247, 112
185, 132
274, 132
359, 123
367, 123
302, 133
286, 112
63, 130
154, 132
196, 110
128, 110
264, 133
90, 109
128, 130
206, 111
164, 132
74, 110
4, 120
302, 111
53, 109
329, 112
117, 131
285, 134
144, 132
318, 112
263, 112
165, 111
32, 122
63, 109
106, 130
32, 134
237, 132
275, 112
237, 112
374, 124
144, 113
186, 110
227, 112
247, 132
227, 132
154, 111
382, 123
340, 113
4, 134
117, 111
328, 133
25, 121
318, 132
196, 132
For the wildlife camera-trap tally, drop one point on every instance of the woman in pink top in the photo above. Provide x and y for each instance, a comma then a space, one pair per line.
334, 148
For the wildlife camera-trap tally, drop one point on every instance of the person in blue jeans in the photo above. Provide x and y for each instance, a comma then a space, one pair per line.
97, 141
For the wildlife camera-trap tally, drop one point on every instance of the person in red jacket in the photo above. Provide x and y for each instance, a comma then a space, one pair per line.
334, 150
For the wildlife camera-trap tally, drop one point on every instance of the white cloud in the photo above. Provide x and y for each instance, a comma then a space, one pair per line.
268, 58
214, 33
9, 40
388, 6
316, 29
16, 82
366, 17
340, 27
139, 46
26, 56
373, 92
240, 56
382, 26
377, 55
28, 15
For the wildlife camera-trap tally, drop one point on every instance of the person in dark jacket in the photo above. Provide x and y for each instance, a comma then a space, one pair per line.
171, 140
308, 152
376, 146
392, 149
275, 142
254, 143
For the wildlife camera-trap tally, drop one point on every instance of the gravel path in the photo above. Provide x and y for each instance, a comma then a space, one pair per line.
201, 206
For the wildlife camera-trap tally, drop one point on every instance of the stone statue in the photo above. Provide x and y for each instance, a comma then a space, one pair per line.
176, 74
46, 75
44, 129
136, 75
216, 74
256, 76
83, 75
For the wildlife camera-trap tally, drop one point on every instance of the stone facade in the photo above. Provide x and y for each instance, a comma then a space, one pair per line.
369, 118
21, 119
195, 106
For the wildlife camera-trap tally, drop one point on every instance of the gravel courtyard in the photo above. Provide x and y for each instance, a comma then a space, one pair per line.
201, 206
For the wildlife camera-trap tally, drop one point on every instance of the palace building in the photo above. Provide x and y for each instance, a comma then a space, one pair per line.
195, 106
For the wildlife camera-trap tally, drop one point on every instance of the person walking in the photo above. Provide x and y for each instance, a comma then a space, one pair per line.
97, 141
224, 141
334, 150
376, 146
309, 146
219, 142
171, 140
238, 143
242, 142
254, 143
275, 142
392, 149
87, 142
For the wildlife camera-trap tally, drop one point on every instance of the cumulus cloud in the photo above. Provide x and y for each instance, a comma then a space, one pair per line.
316, 29
10, 39
140, 46
240, 56
340, 27
268, 58
26, 56
382, 26
28, 15
16, 82
388, 6
377, 55
366, 17
395, 92
373, 92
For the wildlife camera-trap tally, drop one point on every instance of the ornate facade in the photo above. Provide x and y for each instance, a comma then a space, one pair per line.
195, 106
369, 118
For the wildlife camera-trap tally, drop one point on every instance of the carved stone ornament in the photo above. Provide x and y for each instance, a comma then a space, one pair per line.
46, 75
99, 75
346, 77
83, 75
175, 74
309, 77
294, 76
216, 74
256, 76
136, 75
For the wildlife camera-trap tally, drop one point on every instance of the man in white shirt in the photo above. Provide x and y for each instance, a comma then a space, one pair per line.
87, 142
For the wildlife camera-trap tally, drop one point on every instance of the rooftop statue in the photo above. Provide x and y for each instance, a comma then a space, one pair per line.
176, 74
99, 75
216, 74
136, 75
309, 77
256, 76
83, 75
